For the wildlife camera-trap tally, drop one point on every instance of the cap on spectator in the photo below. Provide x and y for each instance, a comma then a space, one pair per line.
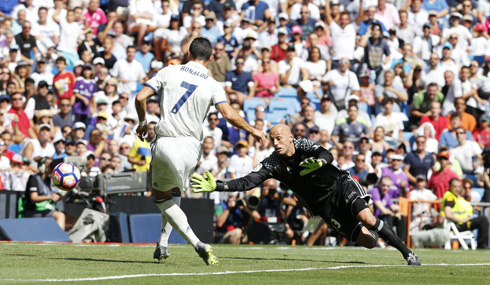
326, 98
210, 16
78, 63
82, 142
17, 158
130, 116
145, 41
432, 13
314, 129
58, 138
223, 149
90, 154
444, 154
320, 24
42, 59
22, 63
45, 126
70, 142
364, 72
479, 27
250, 36
468, 17
43, 84
246, 19
227, 6
102, 114
99, 60
427, 25
447, 45
396, 157
174, 17
296, 30
291, 48
421, 177
4, 97
283, 16
334, 2
44, 113
14, 47
153, 99
484, 118
282, 30
79, 125
456, 15
242, 143
352, 97
102, 100
386, 34
376, 152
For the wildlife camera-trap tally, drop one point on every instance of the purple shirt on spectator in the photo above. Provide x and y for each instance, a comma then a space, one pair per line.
397, 177
385, 200
86, 88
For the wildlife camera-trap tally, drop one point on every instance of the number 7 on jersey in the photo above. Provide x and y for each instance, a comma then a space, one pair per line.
190, 89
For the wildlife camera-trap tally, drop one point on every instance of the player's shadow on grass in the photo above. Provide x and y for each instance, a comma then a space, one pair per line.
290, 259
104, 260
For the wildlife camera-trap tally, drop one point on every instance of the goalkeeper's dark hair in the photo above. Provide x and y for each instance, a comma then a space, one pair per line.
201, 49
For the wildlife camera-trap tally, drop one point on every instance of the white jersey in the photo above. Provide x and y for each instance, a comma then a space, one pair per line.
187, 92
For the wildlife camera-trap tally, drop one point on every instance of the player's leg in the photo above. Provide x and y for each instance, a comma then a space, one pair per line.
161, 251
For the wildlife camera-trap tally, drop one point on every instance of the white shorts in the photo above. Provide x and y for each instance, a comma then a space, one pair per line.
174, 159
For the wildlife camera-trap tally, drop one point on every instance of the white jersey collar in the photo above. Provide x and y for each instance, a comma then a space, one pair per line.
197, 65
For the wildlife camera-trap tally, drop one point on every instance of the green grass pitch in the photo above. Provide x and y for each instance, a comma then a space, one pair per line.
255, 264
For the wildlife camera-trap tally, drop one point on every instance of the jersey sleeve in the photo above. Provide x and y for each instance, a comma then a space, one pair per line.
157, 82
219, 95
250, 181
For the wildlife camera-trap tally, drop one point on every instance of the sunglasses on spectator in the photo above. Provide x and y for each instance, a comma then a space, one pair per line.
124, 147
300, 130
460, 133
16, 99
123, 98
105, 159
239, 63
344, 62
443, 158
453, 38
314, 132
360, 160
349, 147
213, 119
65, 105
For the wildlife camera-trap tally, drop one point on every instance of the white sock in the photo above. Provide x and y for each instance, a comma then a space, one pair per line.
167, 227
177, 218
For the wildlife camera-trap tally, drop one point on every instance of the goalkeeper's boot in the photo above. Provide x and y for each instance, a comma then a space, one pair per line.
412, 259
161, 252
206, 253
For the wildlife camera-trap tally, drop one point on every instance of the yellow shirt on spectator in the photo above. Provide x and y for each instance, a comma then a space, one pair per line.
141, 150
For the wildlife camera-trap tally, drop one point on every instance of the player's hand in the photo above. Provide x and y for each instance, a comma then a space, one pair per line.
141, 132
311, 164
201, 184
259, 136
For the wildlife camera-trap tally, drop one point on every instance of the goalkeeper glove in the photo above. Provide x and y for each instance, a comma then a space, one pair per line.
311, 164
201, 184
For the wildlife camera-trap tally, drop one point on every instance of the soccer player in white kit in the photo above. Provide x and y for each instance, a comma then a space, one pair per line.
187, 92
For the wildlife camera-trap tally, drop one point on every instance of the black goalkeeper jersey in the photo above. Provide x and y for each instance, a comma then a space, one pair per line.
315, 190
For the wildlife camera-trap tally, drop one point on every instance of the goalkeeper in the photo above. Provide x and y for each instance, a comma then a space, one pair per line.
325, 190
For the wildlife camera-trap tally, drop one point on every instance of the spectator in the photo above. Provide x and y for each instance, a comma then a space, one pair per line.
221, 169
419, 161
107, 52
144, 56
345, 159
374, 49
463, 33
386, 210
20, 121
341, 82
266, 82
422, 102
325, 116
421, 211
434, 72
279, 50
424, 45
129, 72
291, 69
64, 81
399, 178
230, 41
387, 14
350, 130
392, 122
482, 135
389, 90
83, 101
208, 159
220, 65
448, 137
239, 82
456, 209
241, 164
359, 169
439, 122
70, 32
27, 43
439, 181
468, 153
257, 11
229, 220
439, 6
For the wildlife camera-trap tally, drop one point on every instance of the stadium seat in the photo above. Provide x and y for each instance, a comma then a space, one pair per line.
480, 191
286, 93
32, 229
276, 117
471, 177
279, 105
145, 228
250, 104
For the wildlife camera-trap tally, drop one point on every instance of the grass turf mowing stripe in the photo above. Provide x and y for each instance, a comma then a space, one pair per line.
101, 278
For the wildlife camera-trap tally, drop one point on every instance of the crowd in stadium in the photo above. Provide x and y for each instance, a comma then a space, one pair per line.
397, 90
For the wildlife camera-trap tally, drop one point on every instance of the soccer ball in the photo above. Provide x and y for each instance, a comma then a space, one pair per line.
66, 176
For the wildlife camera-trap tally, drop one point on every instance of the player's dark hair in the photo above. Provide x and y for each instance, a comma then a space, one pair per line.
201, 49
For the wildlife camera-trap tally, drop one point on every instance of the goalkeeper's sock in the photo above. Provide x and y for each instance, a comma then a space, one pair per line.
166, 226
390, 238
177, 218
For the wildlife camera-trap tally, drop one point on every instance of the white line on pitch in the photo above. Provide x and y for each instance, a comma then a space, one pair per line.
229, 272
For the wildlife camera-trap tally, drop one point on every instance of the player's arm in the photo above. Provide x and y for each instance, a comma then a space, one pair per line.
318, 156
140, 105
237, 121
209, 184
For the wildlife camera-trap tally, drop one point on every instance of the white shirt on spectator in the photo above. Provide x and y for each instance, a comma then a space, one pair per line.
344, 84
241, 166
216, 134
129, 71
480, 46
207, 163
424, 195
295, 67
4, 163
465, 153
421, 46
316, 70
69, 36
418, 20
344, 41
463, 35
295, 12
189, 19
46, 76
454, 91
434, 75
266, 39
392, 123
326, 122
174, 38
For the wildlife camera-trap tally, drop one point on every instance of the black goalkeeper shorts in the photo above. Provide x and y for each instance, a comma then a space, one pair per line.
340, 213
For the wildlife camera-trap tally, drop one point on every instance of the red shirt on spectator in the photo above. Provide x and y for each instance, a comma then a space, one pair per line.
439, 181
482, 137
277, 53
23, 124
439, 125
63, 85
8, 154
